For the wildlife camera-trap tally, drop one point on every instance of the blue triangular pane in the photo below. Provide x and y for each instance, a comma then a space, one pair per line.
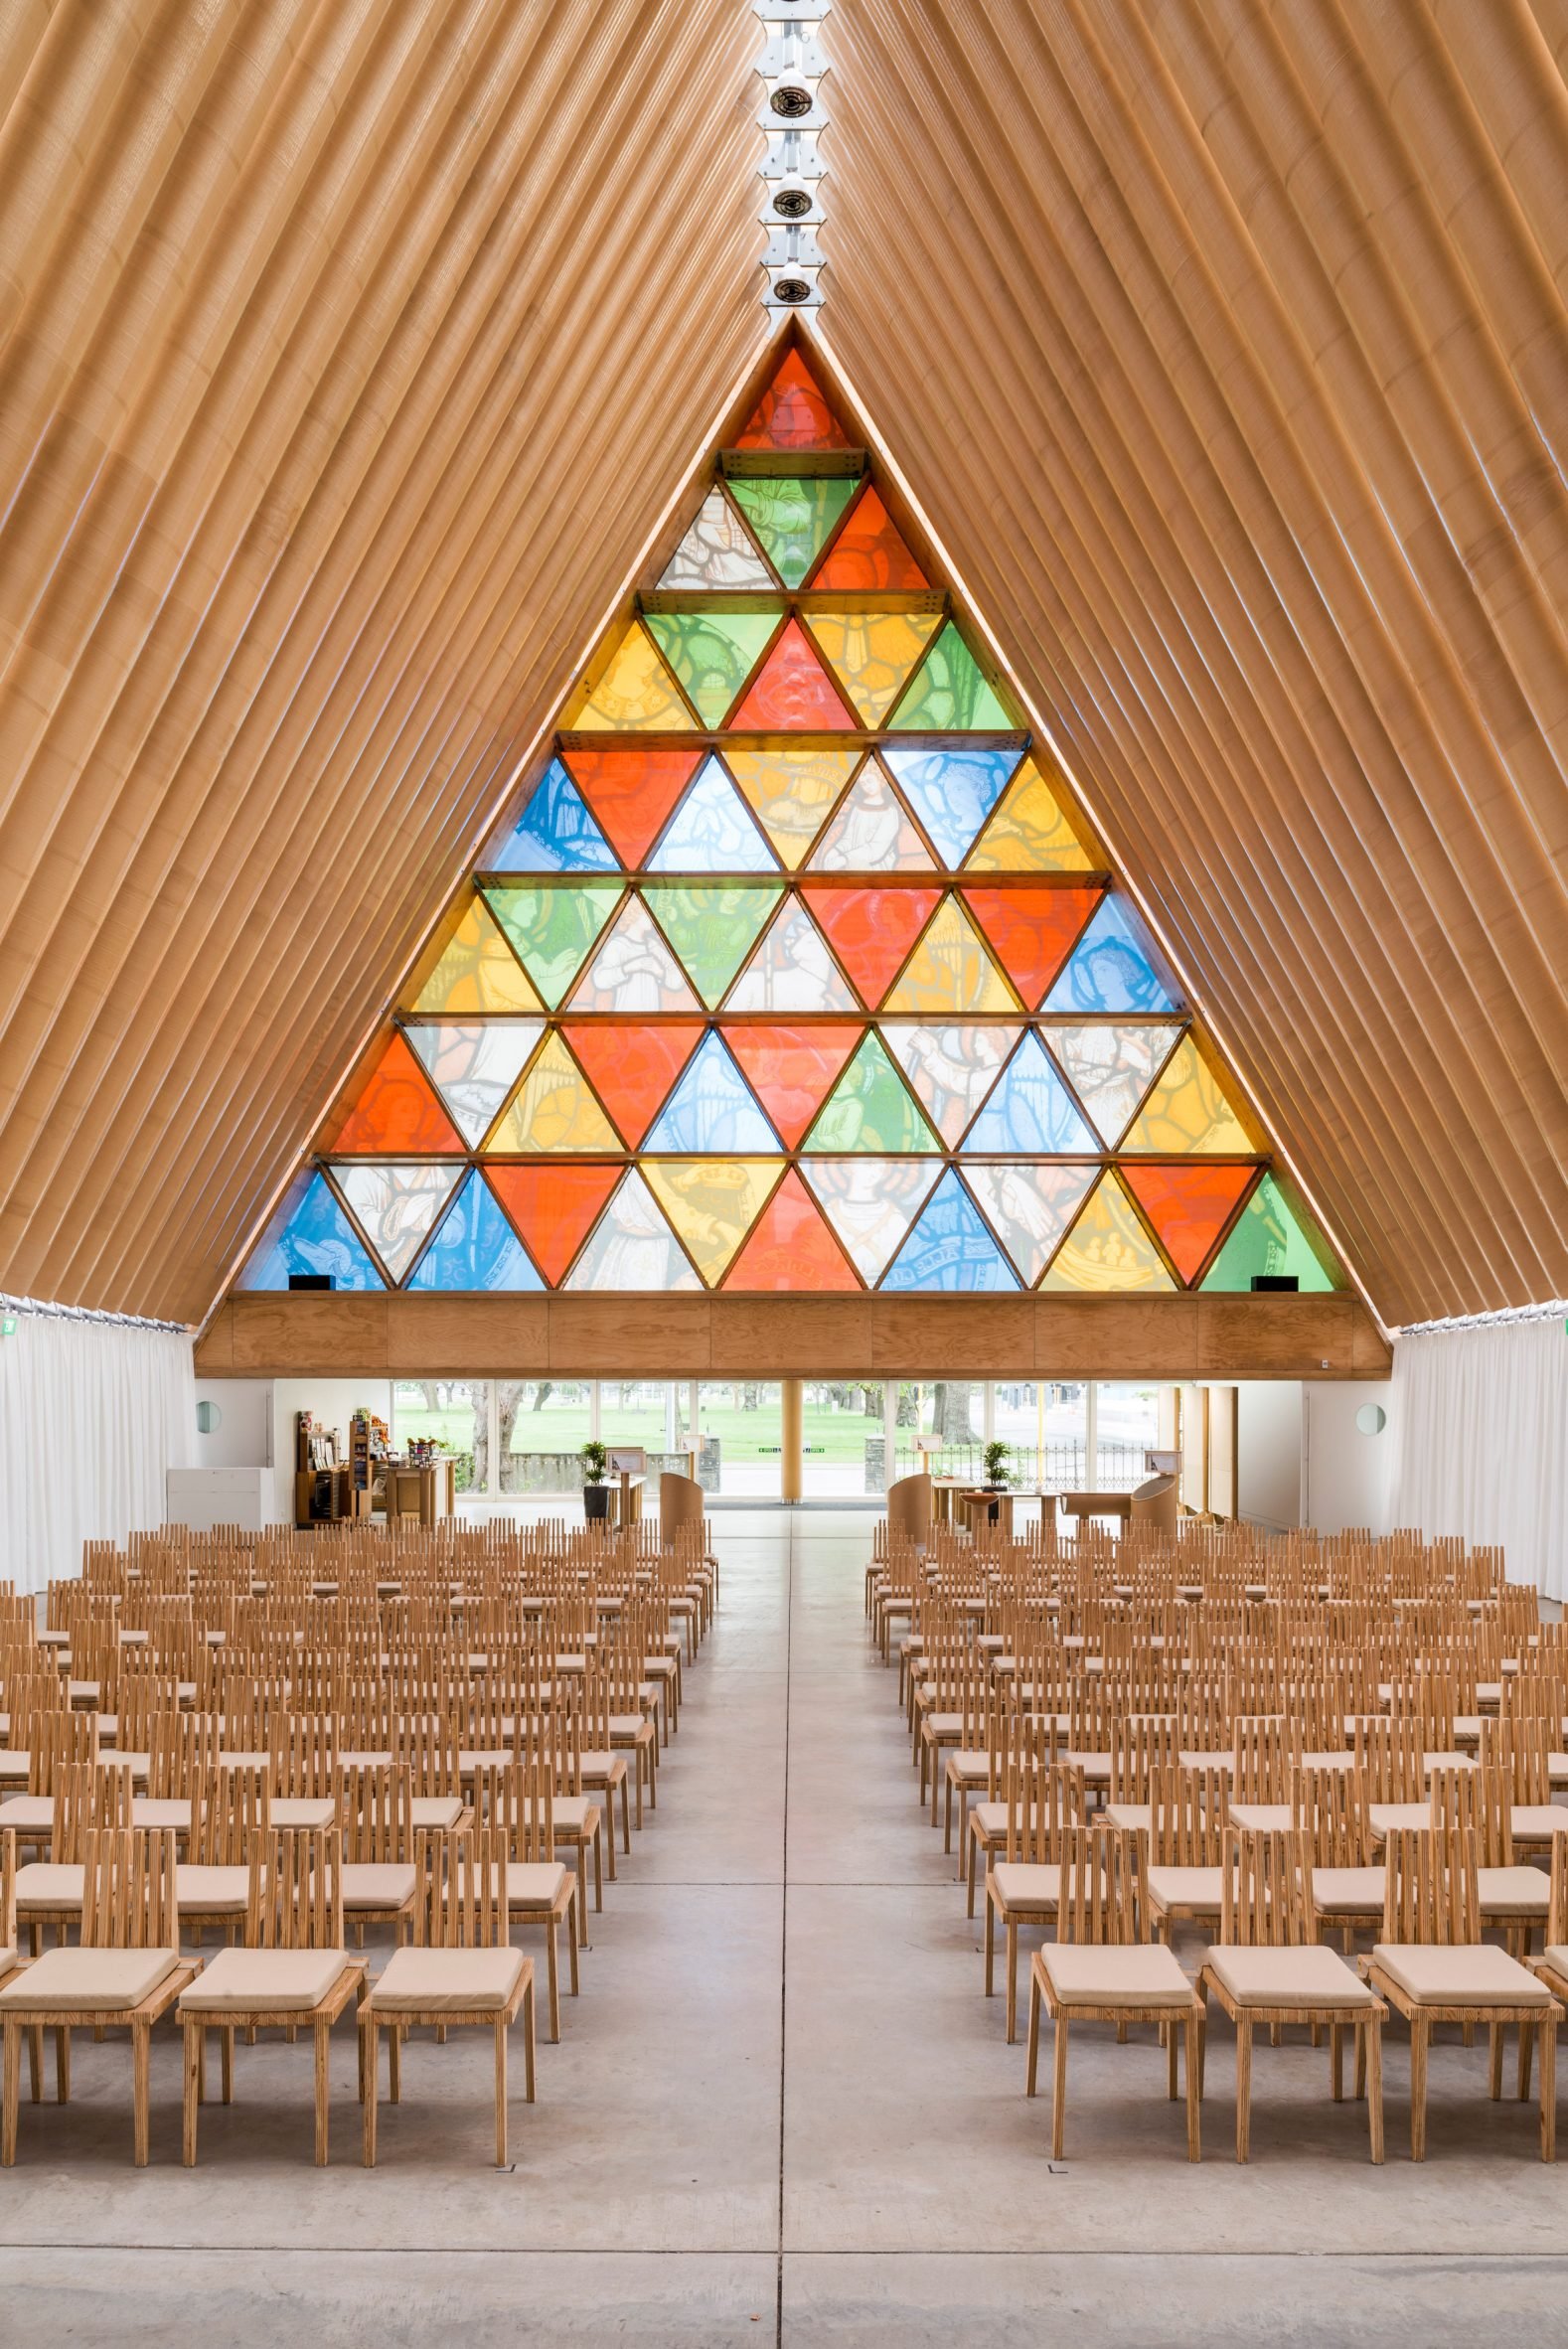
476, 1247
711, 832
1109, 968
310, 1234
557, 833
950, 1247
952, 792
1032, 1110
713, 1109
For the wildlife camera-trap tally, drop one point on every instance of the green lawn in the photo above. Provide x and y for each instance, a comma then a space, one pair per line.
745, 1435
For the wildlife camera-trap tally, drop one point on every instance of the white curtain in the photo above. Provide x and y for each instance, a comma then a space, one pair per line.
92, 1415
1481, 1423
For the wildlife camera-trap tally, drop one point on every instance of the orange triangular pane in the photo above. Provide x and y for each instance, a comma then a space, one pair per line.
792, 1069
871, 931
791, 1247
398, 1111
1189, 1208
632, 1069
792, 412
1033, 931
553, 1208
632, 792
870, 552
793, 691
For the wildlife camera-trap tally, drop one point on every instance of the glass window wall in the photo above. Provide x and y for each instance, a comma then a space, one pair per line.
542, 1425
740, 1423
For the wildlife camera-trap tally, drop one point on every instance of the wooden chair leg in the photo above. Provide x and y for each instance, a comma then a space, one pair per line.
35, 2064
1170, 2063
395, 2063
1058, 2108
225, 2059
369, 2070
572, 1939
192, 2066
527, 2042
1526, 2046
61, 2063
973, 1854
1369, 2056
1013, 1979
1419, 2028
1549, 2088
1495, 2063
13, 2089
141, 2088
1243, 2087
1336, 2063
991, 1945
553, 1964
322, 2091
1194, 2085
501, 2093
1034, 2035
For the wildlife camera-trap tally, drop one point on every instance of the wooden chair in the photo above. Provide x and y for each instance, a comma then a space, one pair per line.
125, 1973
1344, 1888
517, 1804
462, 1971
379, 1879
1510, 1897
1009, 1735
1183, 1874
230, 1814
1098, 1971
1268, 1968
1043, 1800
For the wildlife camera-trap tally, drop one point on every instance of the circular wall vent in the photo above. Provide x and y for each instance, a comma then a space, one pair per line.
790, 100
792, 289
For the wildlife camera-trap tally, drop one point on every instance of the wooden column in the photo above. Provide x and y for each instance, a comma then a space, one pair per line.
790, 1462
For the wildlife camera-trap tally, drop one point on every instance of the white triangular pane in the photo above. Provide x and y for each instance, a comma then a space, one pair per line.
711, 830
1029, 1207
716, 551
870, 1204
1031, 1113
633, 971
474, 1064
711, 1109
792, 970
394, 1207
871, 831
632, 1246
951, 1066
1110, 1068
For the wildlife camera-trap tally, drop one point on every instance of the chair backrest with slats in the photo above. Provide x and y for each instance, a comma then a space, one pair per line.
376, 1808
1044, 1799
128, 1895
57, 1740
230, 1814
89, 1796
183, 1748
1265, 1749
1141, 1744
517, 1801
1266, 1888
1432, 1887
464, 1879
1330, 1806
1094, 1893
298, 1890
1474, 1800
1187, 1812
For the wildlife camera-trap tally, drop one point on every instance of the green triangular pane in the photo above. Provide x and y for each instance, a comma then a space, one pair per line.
792, 518
552, 930
712, 652
712, 930
871, 1108
949, 695
1268, 1237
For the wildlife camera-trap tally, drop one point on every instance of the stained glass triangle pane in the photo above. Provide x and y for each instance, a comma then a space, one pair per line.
871, 1108
474, 1248
1031, 1110
712, 652
310, 1233
792, 692
632, 1069
792, 516
711, 832
1110, 968
633, 970
635, 695
476, 972
716, 551
791, 1248
1271, 1237
1029, 1207
474, 1066
553, 1109
950, 1248
868, 552
871, 831
792, 970
713, 1109
1110, 1068
397, 1110
952, 792
632, 792
1189, 1208
950, 971
394, 1207
556, 832
1189, 1111
713, 929
872, 653
1108, 1248
870, 1203
792, 412
1033, 930
790, 1069
951, 695
632, 1246
551, 929
952, 1068
1030, 831
791, 792
552, 1207
871, 930
713, 1203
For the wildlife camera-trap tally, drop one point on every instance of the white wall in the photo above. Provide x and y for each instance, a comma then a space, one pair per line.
333, 1403
1269, 1424
242, 1436
1348, 1478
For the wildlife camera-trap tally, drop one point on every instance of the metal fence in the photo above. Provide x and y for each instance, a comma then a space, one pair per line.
1051, 1467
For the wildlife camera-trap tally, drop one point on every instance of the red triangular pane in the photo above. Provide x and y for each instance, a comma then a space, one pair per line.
1187, 1205
871, 931
791, 1247
792, 412
792, 1069
398, 1111
1033, 931
553, 1208
632, 792
793, 690
632, 1069
870, 552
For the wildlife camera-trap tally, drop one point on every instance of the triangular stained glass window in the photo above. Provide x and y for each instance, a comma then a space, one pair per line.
711, 1203
952, 1066
711, 1109
870, 1204
633, 1247
1030, 1112
396, 1111
871, 654
1111, 1066
632, 792
1269, 1239
633, 970
792, 516
555, 833
869, 553
717, 552
632, 1069
553, 930
792, 692
1030, 831
1033, 931
952, 792
712, 652
394, 1207
553, 1206
792, 970
553, 1109
792, 1070
950, 971
1108, 1248
635, 694
790, 792
1029, 1207
790, 1247
871, 1108
711, 928
1110, 969
871, 931
475, 971
711, 830
951, 695
1188, 1207
474, 1065
310, 1234
474, 1248
871, 831
951, 1248
792, 412
1189, 1111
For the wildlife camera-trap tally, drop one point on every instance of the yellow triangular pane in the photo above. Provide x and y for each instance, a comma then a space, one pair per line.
1189, 1111
1029, 831
476, 972
1108, 1248
713, 1203
553, 1108
791, 791
636, 694
872, 653
951, 970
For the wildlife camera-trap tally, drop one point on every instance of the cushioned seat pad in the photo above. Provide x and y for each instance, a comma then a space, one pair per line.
1115, 1973
1307, 1976
89, 1980
286, 1981
212, 1891
439, 1982
1186, 1888
50, 1884
1348, 1892
1475, 1973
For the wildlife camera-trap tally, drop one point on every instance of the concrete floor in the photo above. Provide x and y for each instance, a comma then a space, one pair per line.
783, 2110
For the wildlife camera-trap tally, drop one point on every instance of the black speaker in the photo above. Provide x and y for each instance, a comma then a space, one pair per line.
324, 1281
1268, 1281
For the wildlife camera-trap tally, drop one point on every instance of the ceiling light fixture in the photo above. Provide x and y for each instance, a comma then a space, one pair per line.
791, 69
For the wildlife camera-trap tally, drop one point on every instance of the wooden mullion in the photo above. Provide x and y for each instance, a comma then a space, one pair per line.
569, 739
802, 464
800, 599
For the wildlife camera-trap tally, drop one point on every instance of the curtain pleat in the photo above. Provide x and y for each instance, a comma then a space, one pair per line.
1482, 1420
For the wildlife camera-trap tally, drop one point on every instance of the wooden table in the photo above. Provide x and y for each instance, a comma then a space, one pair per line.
1097, 1504
945, 1492
426, 1489
983, 1504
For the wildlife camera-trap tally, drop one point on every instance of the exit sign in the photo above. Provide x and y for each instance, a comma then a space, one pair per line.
7, 1324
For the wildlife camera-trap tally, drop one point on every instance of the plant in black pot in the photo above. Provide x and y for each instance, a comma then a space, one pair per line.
595, 1492
996, 1460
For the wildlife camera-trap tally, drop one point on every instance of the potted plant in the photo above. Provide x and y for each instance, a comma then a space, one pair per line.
996, 1460
595, 1460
